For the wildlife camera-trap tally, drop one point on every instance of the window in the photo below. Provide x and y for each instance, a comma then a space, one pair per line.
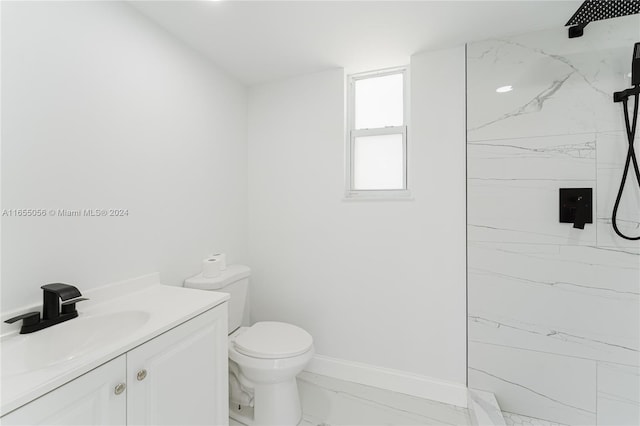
377, 134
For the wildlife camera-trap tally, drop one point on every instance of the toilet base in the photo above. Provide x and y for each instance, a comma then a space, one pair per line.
275, 404
241, 413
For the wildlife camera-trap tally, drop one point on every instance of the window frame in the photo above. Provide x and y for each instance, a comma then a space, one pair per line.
352, 133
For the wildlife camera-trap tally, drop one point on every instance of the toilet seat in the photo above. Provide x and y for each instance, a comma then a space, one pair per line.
270, 339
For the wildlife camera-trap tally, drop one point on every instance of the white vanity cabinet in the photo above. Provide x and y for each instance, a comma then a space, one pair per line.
181, 377
176, 378
88, 400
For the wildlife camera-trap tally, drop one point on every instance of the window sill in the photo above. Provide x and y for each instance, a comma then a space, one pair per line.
399, 195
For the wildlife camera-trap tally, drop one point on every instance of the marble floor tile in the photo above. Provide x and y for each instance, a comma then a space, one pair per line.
557, 388
329, 401
512, 419
332, 402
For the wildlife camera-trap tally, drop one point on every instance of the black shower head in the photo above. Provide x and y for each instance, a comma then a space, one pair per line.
595, 10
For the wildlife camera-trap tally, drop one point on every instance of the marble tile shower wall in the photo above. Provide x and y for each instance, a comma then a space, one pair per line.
554, 312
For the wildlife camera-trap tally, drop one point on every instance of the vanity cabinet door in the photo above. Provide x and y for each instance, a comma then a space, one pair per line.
181, 376
95, 398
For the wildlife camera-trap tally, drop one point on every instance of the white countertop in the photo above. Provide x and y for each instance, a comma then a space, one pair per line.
156, 308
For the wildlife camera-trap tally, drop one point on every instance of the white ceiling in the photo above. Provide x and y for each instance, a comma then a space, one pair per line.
258, 41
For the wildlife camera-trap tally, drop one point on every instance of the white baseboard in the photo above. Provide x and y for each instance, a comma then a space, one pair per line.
393, 380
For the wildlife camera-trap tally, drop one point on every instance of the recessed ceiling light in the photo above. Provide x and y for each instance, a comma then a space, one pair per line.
504, 89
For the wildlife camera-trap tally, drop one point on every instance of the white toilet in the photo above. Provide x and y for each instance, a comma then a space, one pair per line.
264, 359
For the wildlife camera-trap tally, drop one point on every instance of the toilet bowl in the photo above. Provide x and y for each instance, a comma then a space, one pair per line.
264, 358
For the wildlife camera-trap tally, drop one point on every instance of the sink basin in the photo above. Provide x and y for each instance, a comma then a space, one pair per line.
66, 341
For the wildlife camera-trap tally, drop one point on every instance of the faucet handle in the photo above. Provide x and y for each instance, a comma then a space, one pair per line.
72, 301
30, 318
69, 306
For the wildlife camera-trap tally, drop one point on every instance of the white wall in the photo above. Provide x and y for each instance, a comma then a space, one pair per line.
102, 109
376, 282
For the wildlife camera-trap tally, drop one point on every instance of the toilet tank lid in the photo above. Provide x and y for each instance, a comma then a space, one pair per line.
230, 275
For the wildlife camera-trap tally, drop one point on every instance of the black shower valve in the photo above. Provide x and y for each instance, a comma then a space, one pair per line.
576, 206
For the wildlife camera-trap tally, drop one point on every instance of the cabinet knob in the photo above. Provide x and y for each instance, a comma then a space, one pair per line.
120, 387
141, 374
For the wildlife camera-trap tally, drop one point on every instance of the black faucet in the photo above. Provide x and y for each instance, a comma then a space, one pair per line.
52, 313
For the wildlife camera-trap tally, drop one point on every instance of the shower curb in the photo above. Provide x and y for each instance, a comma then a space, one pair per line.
484, 409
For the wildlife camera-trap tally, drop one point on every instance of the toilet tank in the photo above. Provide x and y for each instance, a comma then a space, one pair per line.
233, 280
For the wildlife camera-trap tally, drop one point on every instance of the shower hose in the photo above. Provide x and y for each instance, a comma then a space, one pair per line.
631, 159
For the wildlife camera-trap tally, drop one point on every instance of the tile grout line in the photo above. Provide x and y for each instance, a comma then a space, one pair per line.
555, 135
584, 245
617, 363
596, 396
466, 195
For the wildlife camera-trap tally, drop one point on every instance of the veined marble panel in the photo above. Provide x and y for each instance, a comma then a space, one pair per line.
618, 395
555, 388
571, 300
570, 157
560, 85
522, 211
611, 155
